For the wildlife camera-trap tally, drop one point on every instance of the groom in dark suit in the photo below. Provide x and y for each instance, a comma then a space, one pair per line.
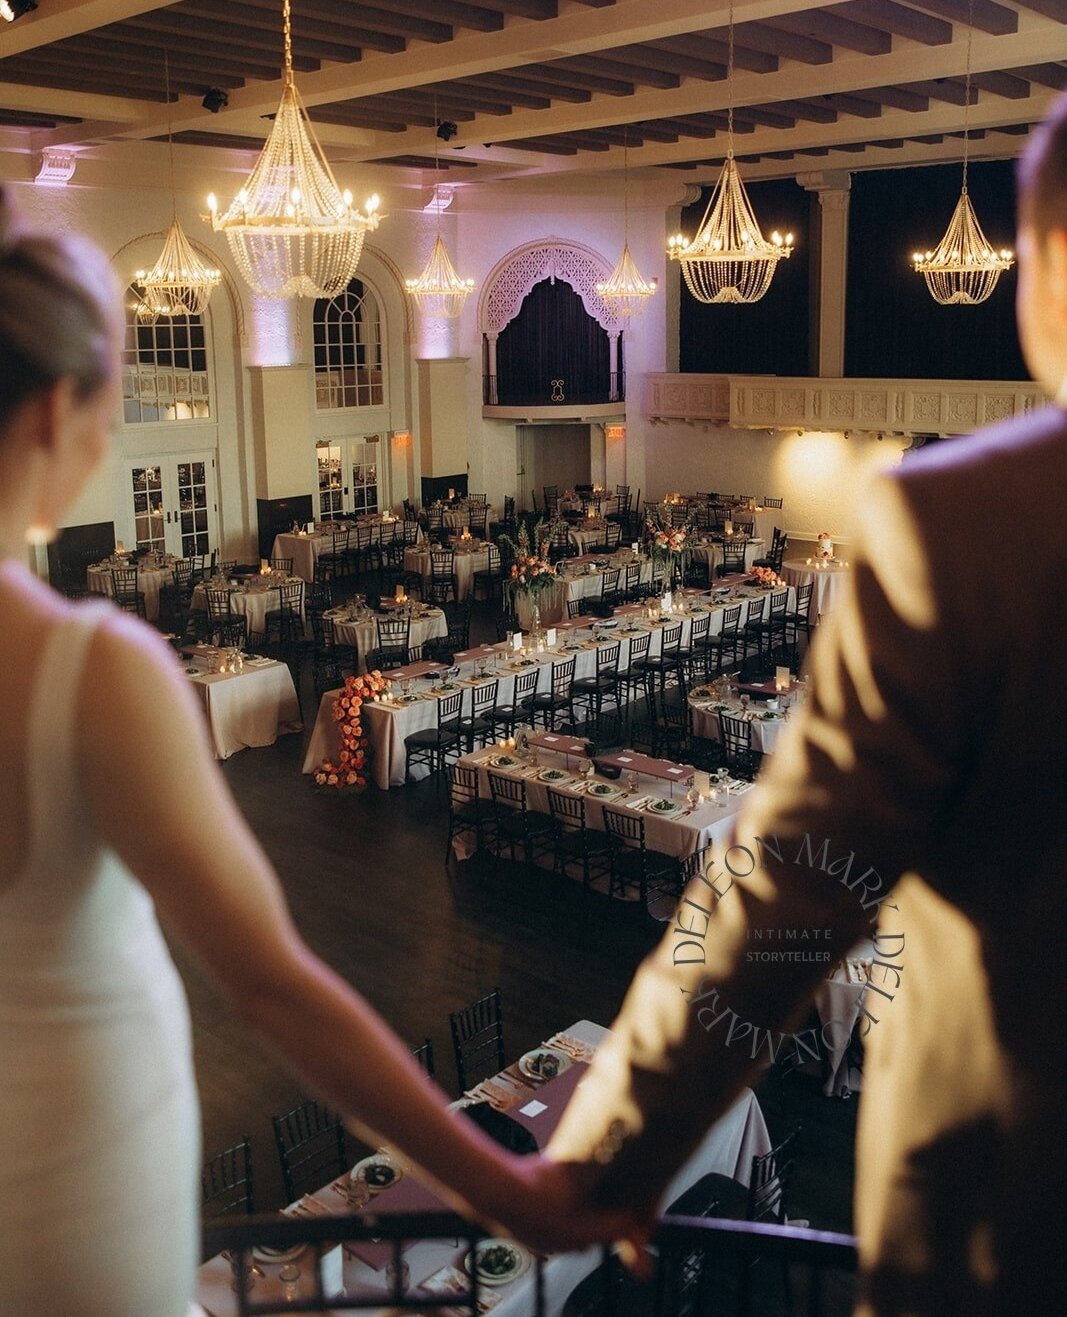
925, 782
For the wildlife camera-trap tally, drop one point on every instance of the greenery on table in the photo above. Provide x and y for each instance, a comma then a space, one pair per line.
531, 574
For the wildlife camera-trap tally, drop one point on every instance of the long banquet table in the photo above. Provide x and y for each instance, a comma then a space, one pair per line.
388, 722
438, 1265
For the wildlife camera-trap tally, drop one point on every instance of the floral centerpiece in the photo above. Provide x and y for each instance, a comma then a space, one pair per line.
531, 573
766, 577
353, 759
671, 546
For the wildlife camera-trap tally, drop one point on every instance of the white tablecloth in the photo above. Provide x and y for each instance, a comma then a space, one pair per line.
253, 601
829, 583
465, 562
305, 551
248, 708
364, 635
711, 554
149, 580
763, 521
576, 581
727, 1149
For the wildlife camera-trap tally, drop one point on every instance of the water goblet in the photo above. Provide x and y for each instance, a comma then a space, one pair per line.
290, 1279
405, 686
692, 796
631, 783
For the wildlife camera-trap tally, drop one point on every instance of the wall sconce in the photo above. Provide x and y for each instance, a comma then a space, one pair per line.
613, 432
401, 438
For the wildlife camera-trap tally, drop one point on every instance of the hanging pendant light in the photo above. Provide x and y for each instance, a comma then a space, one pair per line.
292, 231
963, 269
625, 291
729, 260
439, 290
179, 283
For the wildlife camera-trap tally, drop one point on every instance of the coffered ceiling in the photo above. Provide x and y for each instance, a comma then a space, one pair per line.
545, 87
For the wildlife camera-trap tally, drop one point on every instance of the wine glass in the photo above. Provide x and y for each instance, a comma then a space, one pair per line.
692, 796
631, 783
744, 703
405, 686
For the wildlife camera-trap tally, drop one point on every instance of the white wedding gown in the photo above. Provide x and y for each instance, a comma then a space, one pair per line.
99, 1121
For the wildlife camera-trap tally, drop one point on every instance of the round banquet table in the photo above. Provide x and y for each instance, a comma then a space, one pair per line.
829, 583
100, 581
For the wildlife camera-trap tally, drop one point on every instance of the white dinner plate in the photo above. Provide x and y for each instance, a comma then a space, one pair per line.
530, 1062
277, 1256
377, 1172
497, 1261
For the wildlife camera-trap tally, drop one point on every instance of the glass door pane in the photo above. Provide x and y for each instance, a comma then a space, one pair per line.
364, 477
193, 524
330, 488
149, 514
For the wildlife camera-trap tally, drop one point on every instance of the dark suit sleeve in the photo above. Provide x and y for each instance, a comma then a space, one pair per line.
848, 803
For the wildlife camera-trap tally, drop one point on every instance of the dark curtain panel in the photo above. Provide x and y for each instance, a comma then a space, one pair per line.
552, 338
893, 327
768, 337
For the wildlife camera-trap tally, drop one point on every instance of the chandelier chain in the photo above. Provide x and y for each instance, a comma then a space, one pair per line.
287, 43
967, 94
730, 86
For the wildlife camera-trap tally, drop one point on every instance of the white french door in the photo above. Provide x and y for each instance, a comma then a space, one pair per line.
172, 504
347, 476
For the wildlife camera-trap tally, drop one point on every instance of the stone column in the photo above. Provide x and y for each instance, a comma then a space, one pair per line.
831, 260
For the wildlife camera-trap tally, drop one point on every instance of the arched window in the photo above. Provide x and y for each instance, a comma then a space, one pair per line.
164, 367
348, 349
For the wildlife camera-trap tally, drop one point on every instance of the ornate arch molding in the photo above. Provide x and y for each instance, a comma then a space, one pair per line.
228, 282
514, 275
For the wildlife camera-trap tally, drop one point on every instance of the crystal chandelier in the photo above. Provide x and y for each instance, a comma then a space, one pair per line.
179, 283
293, 233
439, 290
963, 269
625, 291
729, 260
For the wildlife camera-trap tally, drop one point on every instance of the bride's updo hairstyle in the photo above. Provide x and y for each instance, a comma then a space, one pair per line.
60, 312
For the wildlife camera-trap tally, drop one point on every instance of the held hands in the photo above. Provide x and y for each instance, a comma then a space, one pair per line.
550, 1211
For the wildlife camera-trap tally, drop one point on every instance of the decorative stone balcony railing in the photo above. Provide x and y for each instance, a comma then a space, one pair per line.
885, 406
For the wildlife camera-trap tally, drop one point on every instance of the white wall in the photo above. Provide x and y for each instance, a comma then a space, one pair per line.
819, 474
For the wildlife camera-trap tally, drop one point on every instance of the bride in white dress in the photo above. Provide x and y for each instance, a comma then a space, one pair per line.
111, 807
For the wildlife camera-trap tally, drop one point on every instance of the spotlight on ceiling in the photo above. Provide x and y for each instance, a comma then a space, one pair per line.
215, 100
12, 9
446, 130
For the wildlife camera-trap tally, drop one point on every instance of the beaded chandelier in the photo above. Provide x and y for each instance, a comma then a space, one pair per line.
963, 269
179, 283
292, 231
625, 290
729, 260
439, 290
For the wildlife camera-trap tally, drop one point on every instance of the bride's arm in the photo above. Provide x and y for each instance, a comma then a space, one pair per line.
160, 801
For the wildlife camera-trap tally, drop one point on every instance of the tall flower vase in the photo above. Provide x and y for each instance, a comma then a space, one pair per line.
535, 618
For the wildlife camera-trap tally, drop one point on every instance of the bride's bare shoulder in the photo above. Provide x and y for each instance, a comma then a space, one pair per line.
28, 608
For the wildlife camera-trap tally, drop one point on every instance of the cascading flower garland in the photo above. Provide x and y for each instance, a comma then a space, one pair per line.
353, 760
